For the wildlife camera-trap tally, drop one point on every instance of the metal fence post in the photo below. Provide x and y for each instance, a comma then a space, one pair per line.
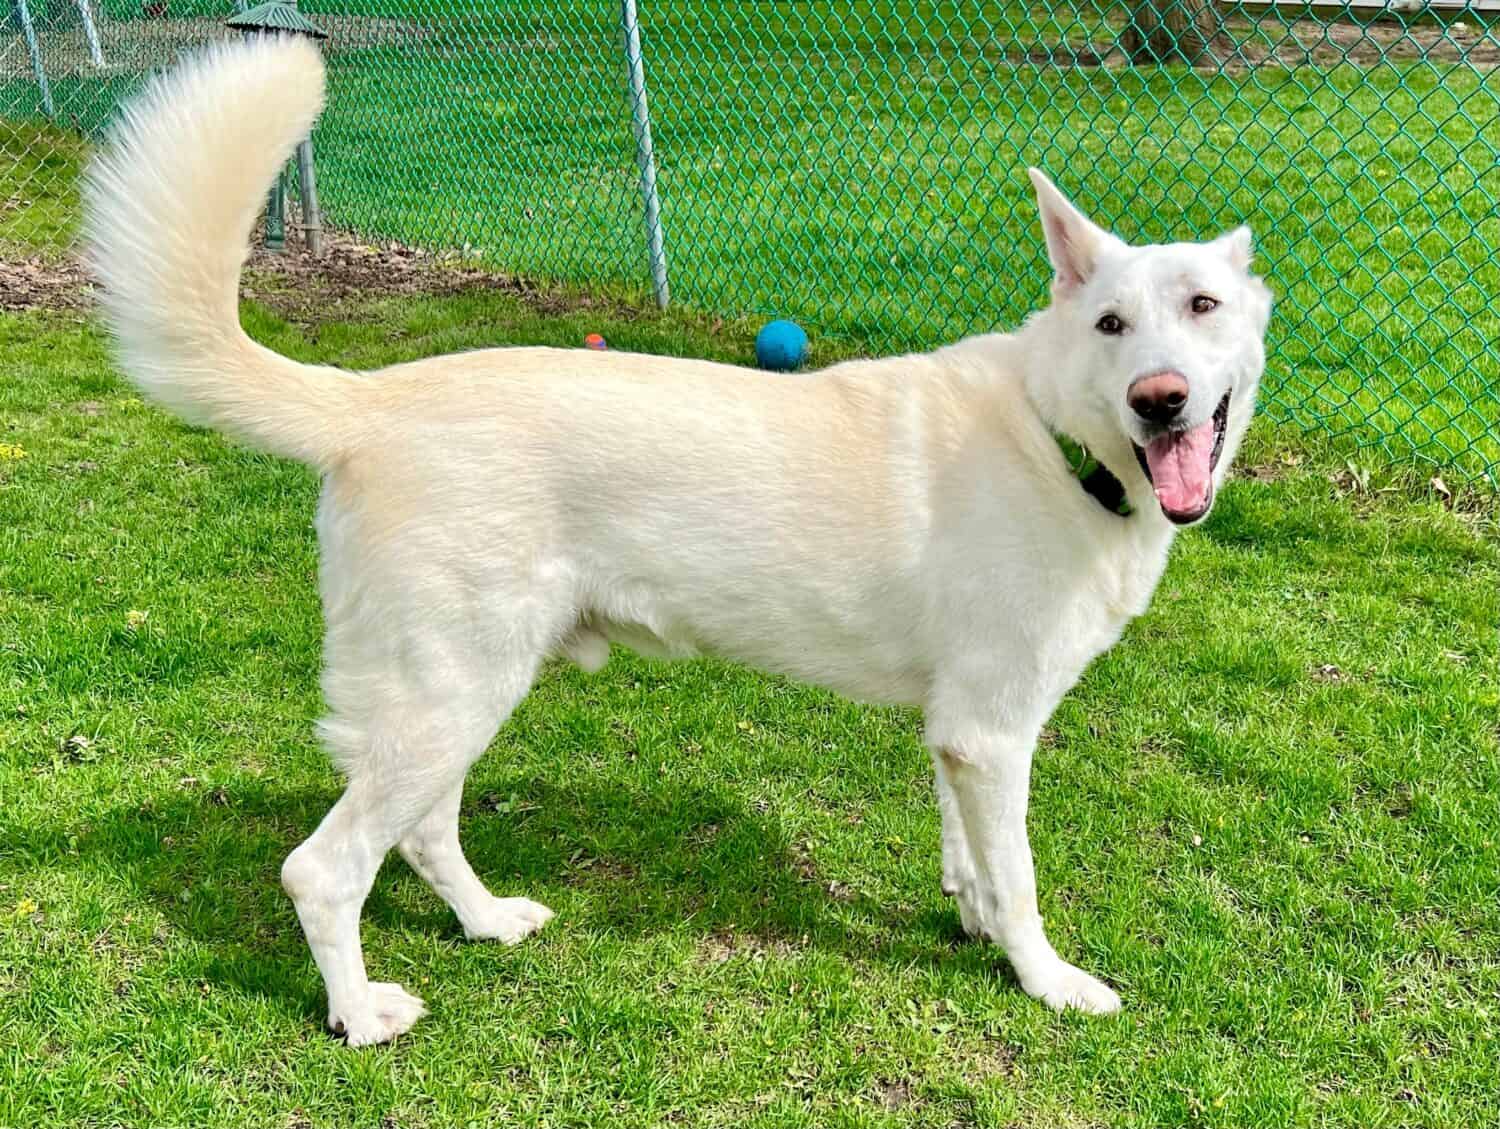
90, 33
645, 156
276, 215
34, 49
312, 215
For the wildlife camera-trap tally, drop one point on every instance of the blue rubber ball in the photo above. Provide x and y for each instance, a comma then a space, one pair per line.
781, 346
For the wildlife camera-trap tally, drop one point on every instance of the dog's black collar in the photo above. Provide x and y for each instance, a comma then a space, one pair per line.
1094, 476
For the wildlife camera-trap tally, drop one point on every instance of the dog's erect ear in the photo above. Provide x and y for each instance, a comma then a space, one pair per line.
1238, 246
1073, 240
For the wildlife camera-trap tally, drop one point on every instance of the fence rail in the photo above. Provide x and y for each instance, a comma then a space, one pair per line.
858, 165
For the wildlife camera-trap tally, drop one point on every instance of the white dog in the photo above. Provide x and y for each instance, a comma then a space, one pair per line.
963, 530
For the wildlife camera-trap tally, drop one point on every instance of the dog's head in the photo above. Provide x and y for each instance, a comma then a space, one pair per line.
1154, 352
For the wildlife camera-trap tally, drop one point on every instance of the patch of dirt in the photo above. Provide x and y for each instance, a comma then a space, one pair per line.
1243, 43
894, 1095
1400, 801
803, 862
1000, 1057
144, 44
806, 868
583, 867
351, 272
1275, 466
308, 291
1260, 472
724, 945
1330, 42
37, 283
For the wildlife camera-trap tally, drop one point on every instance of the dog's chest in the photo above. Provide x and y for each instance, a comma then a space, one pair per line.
1074, 606
1125, 584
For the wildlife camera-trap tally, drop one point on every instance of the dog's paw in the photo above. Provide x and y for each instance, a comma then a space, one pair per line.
1062, 986
507, 920
385, 1012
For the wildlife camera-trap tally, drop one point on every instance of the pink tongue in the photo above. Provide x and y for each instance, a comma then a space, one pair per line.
1181, 468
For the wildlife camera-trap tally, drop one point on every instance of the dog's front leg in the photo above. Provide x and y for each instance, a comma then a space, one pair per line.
958, 864
983, 780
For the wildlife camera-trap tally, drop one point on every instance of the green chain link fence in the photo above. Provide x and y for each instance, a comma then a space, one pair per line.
859, 166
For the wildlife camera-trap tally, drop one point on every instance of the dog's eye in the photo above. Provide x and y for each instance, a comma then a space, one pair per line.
1110, 324
1203, 304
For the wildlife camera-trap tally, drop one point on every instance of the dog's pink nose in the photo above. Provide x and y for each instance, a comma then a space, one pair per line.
1158, 398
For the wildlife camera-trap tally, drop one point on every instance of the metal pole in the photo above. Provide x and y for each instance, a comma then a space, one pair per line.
36, 57
312, 216
276, 217
645, 156
91, 33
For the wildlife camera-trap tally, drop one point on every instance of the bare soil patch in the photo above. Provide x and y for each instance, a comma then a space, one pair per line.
306, 291
133, 46
1243, 44
42, 283
1292, 43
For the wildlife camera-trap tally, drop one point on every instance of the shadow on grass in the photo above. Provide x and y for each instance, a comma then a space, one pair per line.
628, 861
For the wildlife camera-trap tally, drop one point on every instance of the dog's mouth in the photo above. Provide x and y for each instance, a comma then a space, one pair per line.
1180, 466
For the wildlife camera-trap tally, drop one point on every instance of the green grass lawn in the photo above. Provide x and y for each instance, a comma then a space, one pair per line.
38, 165
1271, 817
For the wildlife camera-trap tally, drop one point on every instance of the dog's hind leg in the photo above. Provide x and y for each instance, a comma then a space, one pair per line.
432, 849
328, 878
404, 756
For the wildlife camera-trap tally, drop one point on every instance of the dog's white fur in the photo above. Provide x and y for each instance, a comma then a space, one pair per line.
900, 530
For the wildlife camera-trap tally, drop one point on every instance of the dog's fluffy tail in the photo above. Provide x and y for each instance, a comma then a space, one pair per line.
169, 204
